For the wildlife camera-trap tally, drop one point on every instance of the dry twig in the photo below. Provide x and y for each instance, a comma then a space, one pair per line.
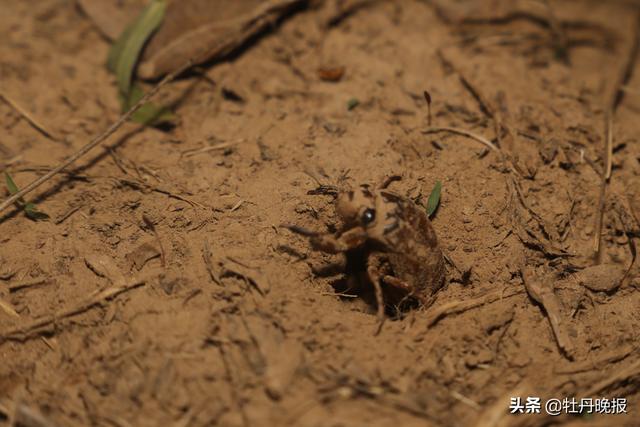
437, 313
97, 140
7, 308
206, 256
468, 134
598, 363
27, 284
26, 331
544, 296
612, 101
606, 176
28, 117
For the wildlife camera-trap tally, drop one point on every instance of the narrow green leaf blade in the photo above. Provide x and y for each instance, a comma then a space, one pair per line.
33, 213
29, 208
434, 199
149, 113
136, 93
152, 114
125, 56
13, 188
116, 49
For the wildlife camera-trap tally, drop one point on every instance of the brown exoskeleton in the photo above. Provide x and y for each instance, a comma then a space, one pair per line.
389, 237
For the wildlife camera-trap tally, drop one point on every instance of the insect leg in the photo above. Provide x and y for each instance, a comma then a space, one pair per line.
374, 274
346, 241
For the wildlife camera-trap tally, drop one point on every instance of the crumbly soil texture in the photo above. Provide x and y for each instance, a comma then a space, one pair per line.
163, 289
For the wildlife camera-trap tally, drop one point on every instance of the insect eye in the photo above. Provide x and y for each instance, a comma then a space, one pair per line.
368, 216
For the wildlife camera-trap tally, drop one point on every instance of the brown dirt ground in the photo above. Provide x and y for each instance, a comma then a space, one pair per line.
272, 345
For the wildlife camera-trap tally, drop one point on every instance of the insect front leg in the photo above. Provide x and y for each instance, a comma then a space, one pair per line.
375, 273
407, 291
331, 269
346, 241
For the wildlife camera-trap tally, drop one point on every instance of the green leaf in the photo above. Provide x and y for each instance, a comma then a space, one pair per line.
434, 199
125, 52
13, 188
123, 57
116, 50
352, 103
33, 213
149, 113
152, 114
30, 209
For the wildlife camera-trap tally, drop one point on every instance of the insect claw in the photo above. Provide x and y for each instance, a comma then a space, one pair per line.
387, 180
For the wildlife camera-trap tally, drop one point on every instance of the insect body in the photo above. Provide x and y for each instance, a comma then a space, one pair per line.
392, 240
